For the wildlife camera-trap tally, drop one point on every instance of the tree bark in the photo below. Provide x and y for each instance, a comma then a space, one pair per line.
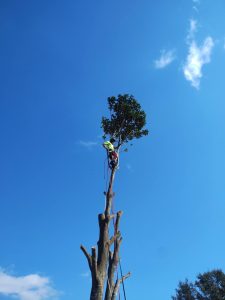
103, 263
113, 259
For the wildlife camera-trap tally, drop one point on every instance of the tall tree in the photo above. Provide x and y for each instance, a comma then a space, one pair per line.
125, 123
208, 286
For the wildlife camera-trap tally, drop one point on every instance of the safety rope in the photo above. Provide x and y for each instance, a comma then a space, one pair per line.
106, 173
114, 226
117, 280
121, 272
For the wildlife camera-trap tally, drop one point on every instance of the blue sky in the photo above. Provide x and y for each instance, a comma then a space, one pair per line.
59, 61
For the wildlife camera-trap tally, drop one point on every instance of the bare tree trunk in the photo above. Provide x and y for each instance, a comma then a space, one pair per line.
103, 263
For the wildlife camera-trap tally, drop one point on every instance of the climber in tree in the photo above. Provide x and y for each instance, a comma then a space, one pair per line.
126, 122
111, 153
113, 156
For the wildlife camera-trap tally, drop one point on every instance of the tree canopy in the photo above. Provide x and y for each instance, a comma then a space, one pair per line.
126, 121
208, 286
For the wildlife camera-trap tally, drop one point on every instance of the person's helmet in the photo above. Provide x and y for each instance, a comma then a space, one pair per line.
112, 140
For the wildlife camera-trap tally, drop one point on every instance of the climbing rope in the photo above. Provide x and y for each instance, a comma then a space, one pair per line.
121, 272
114, 226
106, 173
106, 176
117, 280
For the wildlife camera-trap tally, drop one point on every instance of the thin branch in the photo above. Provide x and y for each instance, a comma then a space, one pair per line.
88, 256
118, 216
114, 237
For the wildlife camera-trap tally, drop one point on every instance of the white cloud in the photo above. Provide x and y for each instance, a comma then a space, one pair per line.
30, 287
192, 30
197, 57
165, 59
87, 144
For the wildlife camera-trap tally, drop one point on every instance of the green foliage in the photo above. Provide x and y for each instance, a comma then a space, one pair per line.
208, 286
126, 121
185, 291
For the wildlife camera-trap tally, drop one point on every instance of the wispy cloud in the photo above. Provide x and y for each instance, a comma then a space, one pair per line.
195, 5
195, 8
192, 30
166, 58
87, 144
197, 56
30, 287
85, 274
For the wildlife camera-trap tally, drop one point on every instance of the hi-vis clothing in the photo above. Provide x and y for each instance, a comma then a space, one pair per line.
108, 145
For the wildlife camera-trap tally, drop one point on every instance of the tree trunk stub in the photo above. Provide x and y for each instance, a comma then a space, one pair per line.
103, 263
